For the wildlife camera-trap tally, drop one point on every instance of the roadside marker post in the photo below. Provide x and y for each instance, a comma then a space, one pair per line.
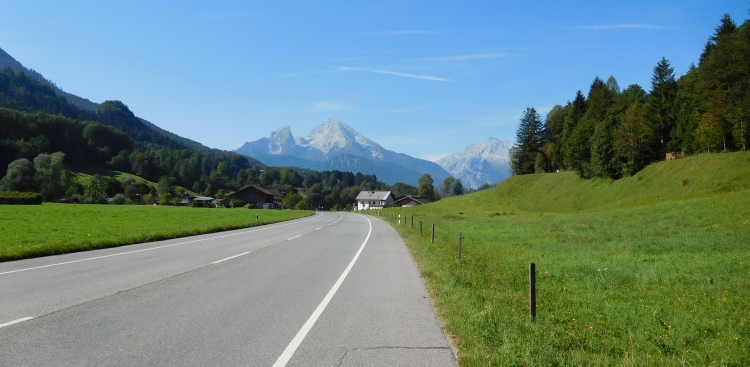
433, 233
532, 291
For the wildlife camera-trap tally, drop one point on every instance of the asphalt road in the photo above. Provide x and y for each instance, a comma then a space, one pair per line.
329, 290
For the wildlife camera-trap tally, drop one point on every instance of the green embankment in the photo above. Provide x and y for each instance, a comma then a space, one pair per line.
652, 269
48, 229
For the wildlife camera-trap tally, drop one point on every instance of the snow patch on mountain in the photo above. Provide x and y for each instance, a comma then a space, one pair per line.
480, 163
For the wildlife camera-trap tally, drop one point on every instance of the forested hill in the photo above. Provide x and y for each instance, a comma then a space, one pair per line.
34, 119
613, 132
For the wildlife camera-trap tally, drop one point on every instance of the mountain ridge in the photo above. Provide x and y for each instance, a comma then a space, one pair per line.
480, 163
332, 139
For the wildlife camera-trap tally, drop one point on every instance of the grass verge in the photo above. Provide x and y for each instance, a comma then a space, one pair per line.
649, 270
51, 229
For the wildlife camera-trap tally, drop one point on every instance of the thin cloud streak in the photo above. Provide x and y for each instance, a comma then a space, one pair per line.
619, 26
402, 32
466, 57
396, 73
239, 103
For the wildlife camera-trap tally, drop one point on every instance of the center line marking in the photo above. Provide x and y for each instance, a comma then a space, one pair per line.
295, 343
318, 228
289, 239
231, 257
15, 321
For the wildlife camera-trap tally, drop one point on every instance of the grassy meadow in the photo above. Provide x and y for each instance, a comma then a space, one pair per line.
47, 229
652, 269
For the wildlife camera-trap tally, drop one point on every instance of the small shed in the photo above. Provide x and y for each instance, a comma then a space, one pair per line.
410, 200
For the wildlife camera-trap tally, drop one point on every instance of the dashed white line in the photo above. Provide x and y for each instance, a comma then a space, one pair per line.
15, 321
289, 239
318, 228
295, 343
231, 257
157, 247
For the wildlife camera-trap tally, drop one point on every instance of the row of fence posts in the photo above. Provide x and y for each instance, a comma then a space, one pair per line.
532, 266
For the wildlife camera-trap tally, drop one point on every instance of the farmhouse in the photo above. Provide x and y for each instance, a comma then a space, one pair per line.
409, 200
258, 197
373, 199
197, 201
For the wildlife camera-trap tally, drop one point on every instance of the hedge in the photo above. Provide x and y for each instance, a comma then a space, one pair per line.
24, 198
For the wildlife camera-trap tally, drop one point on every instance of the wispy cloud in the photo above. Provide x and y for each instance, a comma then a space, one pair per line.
466, 57
619, 26
402, 32
239, 103
396, 73
330, 106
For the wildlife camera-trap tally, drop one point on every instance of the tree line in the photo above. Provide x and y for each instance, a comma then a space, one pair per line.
613, 132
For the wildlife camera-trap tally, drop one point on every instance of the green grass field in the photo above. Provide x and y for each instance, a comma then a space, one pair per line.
39, 230
648, 270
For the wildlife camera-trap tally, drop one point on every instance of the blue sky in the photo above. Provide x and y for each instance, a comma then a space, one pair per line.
423, 78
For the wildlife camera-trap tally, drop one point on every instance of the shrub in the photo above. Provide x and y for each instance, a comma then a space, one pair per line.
98, 199
120, 199
23, 198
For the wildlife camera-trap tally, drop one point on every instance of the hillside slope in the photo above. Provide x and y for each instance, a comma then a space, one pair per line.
688, 178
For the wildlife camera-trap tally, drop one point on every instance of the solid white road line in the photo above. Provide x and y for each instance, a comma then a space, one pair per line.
295, 343
289, 239
231, 257
15, 321
157, 247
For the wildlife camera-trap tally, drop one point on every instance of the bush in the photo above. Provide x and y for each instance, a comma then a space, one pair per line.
98, 199
120, 199
23, 198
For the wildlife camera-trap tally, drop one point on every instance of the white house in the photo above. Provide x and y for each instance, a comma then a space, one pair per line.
373, 199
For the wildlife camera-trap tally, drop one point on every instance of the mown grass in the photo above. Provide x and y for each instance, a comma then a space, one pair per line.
649, 270
49, 229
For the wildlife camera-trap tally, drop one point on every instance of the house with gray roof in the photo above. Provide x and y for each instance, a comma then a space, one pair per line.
373, 199
409, 201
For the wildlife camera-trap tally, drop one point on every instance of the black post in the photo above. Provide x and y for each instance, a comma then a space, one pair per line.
433, 233
460, 243
412, 221
532, 291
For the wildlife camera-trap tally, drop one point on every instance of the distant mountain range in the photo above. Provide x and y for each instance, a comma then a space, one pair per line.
335, 145
487, 162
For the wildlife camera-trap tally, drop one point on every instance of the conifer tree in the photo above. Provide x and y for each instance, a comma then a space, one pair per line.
529, 142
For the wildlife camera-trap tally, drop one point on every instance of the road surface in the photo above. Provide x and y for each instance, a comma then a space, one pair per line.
328, 290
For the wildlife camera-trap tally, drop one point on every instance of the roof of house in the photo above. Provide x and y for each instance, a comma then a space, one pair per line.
259, 189
202, 198
373, 195
406, 198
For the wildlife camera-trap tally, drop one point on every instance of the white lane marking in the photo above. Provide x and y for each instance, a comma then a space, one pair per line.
336, 221
289, 239
295, 343
318, 228
9, 323
231, 257
155, 248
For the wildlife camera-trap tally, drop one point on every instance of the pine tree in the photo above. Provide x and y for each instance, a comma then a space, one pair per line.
529, 142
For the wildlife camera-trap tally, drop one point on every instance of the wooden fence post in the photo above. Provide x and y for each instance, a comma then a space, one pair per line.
532, 291
460, 243
433, 233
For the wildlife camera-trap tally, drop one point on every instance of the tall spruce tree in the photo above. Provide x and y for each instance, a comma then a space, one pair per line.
529, 142
661, 104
